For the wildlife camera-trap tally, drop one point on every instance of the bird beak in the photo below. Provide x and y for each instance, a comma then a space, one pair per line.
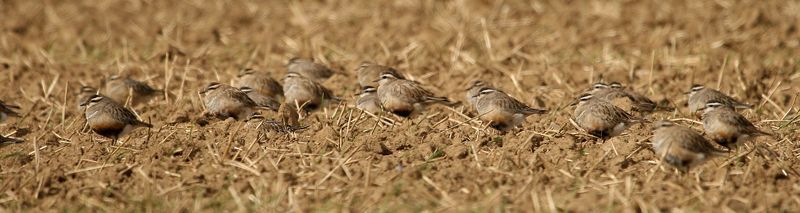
84, 103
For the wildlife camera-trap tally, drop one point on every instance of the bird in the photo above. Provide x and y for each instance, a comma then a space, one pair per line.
110, 119
681, 147
474, 89
260, 99
600, 118
260, 83
224, 101
7, 111
368, 100
309, 69
699, 96
306, 93
120, 89
623, 98
368, 73
726, 126
502, 111
403, 97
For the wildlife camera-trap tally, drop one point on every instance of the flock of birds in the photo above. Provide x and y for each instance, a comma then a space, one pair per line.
604, 111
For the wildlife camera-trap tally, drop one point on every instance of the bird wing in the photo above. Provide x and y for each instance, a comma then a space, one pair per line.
125, 115
140, 87
695, 142
509, 102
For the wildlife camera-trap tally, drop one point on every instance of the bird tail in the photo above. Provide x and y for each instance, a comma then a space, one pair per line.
530, 111
442, 100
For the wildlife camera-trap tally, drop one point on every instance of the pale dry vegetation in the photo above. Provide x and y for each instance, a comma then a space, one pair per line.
542, 52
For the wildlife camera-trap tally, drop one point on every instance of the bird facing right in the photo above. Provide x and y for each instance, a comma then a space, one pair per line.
260, 99
403, 97
622, 98
110, 119
726, 126
699, 96
502, 111
681, 147
601, 118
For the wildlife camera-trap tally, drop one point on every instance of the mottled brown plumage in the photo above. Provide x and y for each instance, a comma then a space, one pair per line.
681, 147
502, 111
699, 96
726, 126
309, 69
625, 99
261, 99
601, 118
120, 89
403, 97
224, 101
306, 93
110, 119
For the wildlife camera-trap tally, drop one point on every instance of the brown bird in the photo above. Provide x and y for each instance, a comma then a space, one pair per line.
110, 119
7, 110
699, 96
309, 69
224, 101
623, 98
403, 97
369, 73
260, 99
306, 93
260, 83
601, 118
727, 127
502, 111
368, 100
681, 147
122, 88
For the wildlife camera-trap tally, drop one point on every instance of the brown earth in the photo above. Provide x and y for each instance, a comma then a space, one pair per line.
543, 52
